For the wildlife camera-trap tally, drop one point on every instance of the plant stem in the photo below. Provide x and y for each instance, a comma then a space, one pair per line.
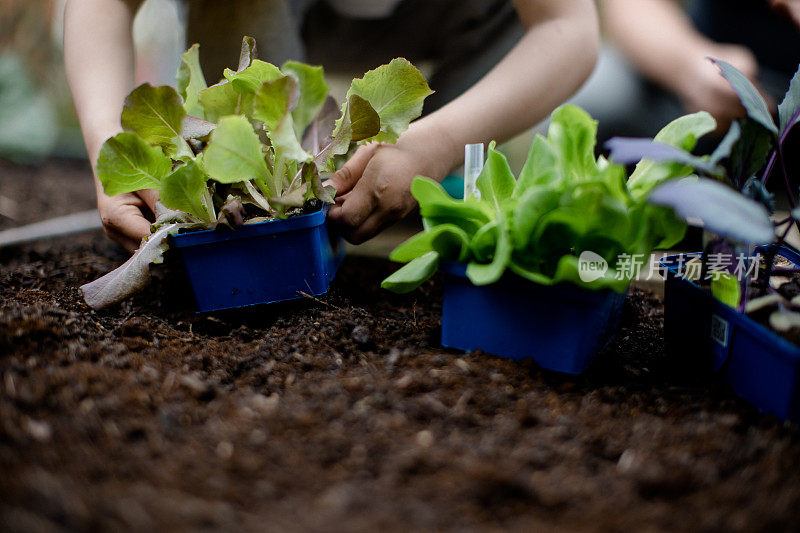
208, 203
789, 193
277, 175
294, 180
768, 170
258, 198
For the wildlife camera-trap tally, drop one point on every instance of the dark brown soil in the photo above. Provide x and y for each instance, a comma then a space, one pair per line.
344, 413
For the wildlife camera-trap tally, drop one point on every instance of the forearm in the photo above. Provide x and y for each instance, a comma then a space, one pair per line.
656, 36
550, 62
99, 61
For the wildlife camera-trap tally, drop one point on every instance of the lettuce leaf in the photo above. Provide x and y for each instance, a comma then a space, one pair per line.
190, 81
133, 275
566, 201
127, 163
396, 92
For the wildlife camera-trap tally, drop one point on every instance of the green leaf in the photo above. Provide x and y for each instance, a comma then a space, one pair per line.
531, 275
273, 105
683, 133
659, 223
540, 168
221, 100
557, 232
484, 274
234, 153
751, 99
496, 181
484, 243
154, 113
572, 135
310, 175
725, 288
294, 198
358, 121
789, 107
396, 91
434, 201
313, 92
184, 189
275, 100
537, 201
568, 270
413, 274
127, 163
190, 81
448, 240
250, 79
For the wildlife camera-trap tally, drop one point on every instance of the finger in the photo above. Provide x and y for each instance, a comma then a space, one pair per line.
376, 222
346, 177
128, 221
355, 209
150, 197
129, 244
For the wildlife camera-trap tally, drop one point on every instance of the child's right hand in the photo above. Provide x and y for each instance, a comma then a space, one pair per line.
127, 217
703, 88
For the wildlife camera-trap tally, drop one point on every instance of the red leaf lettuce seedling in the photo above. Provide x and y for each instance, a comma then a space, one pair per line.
261, 139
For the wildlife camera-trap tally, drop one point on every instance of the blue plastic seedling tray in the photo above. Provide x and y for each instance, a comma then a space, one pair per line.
760, 365
561, 327
259, 263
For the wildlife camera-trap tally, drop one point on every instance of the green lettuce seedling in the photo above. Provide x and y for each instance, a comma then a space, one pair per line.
258, 142
564, 202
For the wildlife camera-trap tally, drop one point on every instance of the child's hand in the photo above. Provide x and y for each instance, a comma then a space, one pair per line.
126, 217
790, 8
373, 187
703, 88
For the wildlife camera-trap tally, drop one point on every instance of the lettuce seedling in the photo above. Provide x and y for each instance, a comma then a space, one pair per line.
565, 202
257, 144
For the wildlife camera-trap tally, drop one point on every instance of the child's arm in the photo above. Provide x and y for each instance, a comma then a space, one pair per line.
556, 54
99, 60
658, 37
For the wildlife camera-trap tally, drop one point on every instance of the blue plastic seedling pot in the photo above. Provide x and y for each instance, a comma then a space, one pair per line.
259, 263
561, 327
760, 365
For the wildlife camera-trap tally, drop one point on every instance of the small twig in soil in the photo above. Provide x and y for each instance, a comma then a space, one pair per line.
306, 295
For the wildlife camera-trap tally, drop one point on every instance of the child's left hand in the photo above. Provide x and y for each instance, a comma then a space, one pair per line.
373, 187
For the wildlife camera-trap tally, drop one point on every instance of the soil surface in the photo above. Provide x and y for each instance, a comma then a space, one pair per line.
344, 413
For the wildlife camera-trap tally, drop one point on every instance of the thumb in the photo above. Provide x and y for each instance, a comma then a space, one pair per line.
346, 177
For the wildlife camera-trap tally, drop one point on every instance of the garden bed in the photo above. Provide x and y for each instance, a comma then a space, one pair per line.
343, 412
